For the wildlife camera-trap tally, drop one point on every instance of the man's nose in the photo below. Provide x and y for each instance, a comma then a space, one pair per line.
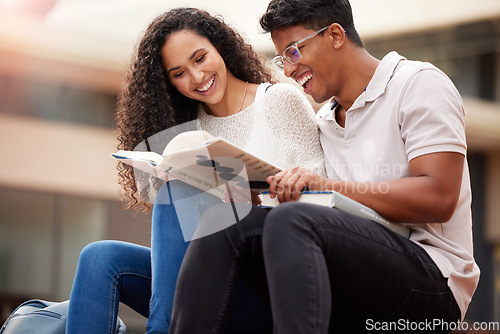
289, 68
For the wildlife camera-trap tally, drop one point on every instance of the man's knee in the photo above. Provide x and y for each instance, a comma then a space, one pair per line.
294, 222
288, 216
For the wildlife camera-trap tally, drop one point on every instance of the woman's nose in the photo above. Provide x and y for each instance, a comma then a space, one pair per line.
198, 76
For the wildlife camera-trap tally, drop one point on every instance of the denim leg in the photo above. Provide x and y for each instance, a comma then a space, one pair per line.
331, 271
210, 272
108, 272
175, 217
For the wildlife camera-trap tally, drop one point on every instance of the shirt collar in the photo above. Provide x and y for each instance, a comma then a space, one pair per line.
378, 84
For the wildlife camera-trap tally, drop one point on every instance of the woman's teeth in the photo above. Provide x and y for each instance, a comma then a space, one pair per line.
304, 79
207, 86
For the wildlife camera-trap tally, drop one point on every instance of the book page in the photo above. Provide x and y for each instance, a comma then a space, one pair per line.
150, 157
146, 167
220, 161
187, 140
210, 163
257, 169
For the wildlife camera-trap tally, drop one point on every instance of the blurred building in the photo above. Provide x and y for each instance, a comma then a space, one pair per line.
58, 186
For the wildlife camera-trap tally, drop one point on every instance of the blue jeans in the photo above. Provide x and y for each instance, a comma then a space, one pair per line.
144, 279
176, 214
108, 272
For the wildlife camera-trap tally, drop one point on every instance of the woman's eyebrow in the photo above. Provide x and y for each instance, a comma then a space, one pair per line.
191, 57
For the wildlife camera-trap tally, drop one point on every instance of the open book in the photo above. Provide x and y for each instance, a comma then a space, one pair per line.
336, 200
203, 161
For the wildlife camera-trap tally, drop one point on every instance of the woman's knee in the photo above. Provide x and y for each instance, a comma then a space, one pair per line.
94, 261
98, 251
107, 255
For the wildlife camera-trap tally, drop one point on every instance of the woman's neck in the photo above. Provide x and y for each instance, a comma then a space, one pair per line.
238, 96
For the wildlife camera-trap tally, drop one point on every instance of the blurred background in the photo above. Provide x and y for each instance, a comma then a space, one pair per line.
61, 66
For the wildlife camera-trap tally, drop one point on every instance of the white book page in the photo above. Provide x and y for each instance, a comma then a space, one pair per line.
187, 140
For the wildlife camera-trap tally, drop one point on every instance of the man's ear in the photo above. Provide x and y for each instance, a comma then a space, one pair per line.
337, 35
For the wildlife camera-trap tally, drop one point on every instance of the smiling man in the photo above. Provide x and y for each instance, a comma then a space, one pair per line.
394, 140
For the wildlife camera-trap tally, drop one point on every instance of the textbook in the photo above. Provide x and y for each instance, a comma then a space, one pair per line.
336, 200
203, 161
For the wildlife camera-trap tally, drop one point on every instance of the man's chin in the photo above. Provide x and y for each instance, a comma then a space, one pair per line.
319, 99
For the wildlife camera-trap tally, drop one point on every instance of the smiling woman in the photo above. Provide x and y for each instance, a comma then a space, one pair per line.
189, 66
186, 60
200, 74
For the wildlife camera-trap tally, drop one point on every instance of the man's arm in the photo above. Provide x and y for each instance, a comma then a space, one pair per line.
429, 195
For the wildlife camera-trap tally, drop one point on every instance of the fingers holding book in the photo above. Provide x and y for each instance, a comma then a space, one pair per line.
289, 183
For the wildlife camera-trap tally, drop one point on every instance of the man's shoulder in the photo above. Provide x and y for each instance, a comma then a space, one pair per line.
413, 73
410, 68
398, 72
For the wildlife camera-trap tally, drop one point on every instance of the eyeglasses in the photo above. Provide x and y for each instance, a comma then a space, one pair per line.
292, 53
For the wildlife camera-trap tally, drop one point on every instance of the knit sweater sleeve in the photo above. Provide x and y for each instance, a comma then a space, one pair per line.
292, 120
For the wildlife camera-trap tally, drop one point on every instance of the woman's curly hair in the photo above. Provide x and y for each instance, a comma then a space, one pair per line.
149, 103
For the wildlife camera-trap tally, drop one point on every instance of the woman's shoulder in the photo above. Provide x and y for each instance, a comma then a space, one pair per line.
279, 88
268, 89
285, 96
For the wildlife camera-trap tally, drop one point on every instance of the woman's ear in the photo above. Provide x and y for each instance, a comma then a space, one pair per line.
337, 35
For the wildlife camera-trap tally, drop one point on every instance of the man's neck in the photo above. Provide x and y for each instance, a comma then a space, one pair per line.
340, 115
360, 73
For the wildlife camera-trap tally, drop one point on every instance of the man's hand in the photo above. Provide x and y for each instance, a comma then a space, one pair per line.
289, 183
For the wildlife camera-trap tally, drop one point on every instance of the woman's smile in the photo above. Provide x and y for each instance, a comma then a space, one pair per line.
207, 87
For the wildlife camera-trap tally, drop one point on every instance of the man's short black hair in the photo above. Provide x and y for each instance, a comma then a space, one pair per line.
313, 14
